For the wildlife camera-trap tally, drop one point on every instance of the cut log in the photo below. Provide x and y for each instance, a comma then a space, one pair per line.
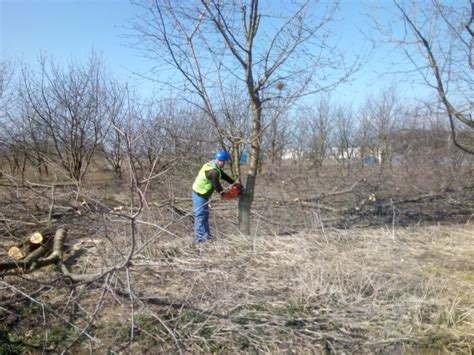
15, 253
36, 238
23, 250
31, 244
47, 253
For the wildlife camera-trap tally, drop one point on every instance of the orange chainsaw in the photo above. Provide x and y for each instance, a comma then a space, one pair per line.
236, 189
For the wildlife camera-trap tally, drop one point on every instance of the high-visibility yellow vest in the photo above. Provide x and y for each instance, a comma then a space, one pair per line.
202, 184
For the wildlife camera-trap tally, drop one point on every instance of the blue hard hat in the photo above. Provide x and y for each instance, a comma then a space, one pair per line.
222, 155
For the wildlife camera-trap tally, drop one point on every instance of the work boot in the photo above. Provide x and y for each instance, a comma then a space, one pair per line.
208, 238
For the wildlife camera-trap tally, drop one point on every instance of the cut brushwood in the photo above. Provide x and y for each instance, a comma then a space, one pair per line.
46, 253
28, 245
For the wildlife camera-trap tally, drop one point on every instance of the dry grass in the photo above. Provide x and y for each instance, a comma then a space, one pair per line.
402, 290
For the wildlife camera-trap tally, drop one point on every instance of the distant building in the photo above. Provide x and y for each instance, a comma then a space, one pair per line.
292, 154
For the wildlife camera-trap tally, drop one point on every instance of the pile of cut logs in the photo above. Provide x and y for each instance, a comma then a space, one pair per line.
35, 251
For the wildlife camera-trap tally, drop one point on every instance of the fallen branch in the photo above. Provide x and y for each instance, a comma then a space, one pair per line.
334, 193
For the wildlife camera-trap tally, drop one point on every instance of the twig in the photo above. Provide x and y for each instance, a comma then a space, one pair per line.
92, 318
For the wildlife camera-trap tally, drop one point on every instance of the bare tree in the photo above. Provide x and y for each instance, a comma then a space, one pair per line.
425, 152
66, 112
344, 137
171, 130
380, 116
274, 139
438, 40
122, 108
213, 43
277, 125
6, 97
28, 141
17, 148
234, 119
316, 123
6, 78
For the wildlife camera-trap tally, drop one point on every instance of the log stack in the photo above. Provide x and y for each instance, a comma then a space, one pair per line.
21, 250
36, 250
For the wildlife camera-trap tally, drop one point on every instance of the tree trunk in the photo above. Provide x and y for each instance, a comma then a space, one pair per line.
245, 201
245, 205
235, 166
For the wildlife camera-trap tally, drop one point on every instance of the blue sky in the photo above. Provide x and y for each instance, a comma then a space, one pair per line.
71, 29
65, 28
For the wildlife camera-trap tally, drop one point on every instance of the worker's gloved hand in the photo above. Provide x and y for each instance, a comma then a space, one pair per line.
239, 187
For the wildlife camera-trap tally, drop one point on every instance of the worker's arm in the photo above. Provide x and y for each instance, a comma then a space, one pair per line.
227, 178
214, 177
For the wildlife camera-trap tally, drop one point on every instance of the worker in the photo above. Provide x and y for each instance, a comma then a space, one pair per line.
208, 181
